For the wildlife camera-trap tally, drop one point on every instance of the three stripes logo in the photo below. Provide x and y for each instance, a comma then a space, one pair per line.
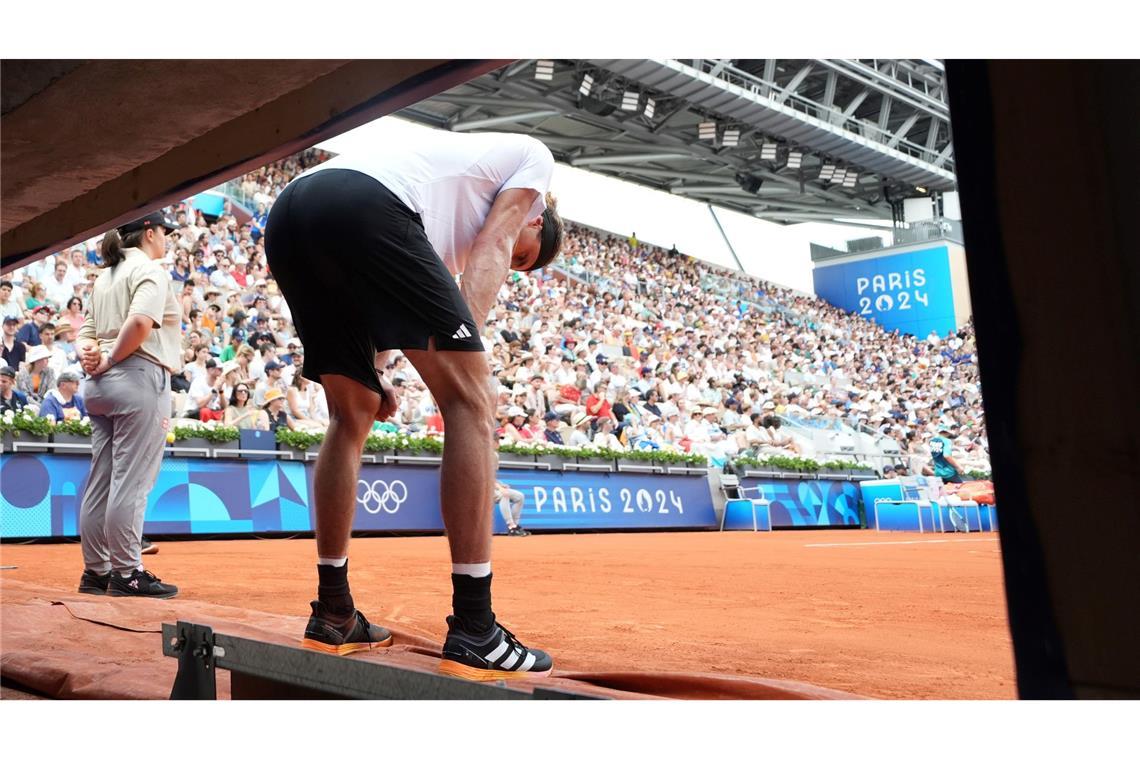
462, 332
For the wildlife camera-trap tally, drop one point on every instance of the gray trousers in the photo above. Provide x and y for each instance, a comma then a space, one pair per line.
127, 405
510, 507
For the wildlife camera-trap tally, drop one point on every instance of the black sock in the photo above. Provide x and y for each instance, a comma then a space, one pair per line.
332, 589
471, 600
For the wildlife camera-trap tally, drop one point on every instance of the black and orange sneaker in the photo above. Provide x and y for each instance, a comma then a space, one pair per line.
331, 635
492, 656
141, 583
93, 583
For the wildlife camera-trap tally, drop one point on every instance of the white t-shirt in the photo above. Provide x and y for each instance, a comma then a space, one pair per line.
451, 179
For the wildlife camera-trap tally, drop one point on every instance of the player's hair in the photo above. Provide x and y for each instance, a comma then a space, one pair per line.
553, 234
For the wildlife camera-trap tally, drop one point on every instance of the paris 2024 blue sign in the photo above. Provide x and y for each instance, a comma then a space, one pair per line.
911, 292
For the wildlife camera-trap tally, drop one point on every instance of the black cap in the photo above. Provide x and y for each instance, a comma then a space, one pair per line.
153, 220
6, 370
550, 416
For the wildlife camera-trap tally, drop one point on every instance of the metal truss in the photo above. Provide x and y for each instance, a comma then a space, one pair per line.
795, 140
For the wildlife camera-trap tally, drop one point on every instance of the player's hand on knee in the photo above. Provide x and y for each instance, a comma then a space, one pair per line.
389, 400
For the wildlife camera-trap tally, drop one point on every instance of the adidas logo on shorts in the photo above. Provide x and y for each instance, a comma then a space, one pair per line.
462, 332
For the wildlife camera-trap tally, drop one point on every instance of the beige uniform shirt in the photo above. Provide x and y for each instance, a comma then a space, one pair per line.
137, 285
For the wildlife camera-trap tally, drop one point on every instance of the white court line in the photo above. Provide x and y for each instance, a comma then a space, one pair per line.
930, 541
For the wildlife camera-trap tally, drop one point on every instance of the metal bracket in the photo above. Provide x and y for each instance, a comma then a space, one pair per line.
194, 647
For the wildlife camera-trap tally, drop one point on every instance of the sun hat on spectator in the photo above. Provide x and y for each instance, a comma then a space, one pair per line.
63, 328
230, 366
35, 353
580, 418
515, 411
272, 395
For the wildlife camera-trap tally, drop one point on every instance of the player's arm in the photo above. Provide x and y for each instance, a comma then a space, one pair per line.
490, 259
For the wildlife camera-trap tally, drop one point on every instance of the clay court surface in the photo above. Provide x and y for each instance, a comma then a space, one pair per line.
884, 615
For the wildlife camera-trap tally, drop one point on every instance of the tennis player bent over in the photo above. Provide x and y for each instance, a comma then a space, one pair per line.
388, 231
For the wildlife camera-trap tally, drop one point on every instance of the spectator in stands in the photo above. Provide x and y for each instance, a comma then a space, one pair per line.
534, 428
59, 288
597, 405
304, 401
37, 378
57, 339
14, 352
241, 412
605, 438
37, 296
181, 271
275, 409
260, 217
580, 425
8, 306
889, 472
199, 367
11, 400
552, 433
73, 313
206, 400
780, 443
64, 402
513, 424
30, 332
271, 379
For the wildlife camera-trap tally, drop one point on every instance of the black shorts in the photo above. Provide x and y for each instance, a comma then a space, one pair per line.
360, 276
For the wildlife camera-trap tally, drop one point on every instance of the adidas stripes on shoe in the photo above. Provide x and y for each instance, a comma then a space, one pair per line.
491, 656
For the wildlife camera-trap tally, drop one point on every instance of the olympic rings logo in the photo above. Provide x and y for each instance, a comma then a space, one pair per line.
380, 495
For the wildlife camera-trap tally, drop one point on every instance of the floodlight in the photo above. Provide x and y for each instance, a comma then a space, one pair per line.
768, 152
731, 138
826, 172
587, 83
544, 70
630, 100
851, 178
706, 130
650, 104
795, 158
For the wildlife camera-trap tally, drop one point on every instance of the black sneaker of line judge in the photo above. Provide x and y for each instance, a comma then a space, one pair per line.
140, 583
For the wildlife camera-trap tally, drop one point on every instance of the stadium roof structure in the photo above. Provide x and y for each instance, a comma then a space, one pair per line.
784, 140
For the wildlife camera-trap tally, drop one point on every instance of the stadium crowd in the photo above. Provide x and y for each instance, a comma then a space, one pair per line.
621, 345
